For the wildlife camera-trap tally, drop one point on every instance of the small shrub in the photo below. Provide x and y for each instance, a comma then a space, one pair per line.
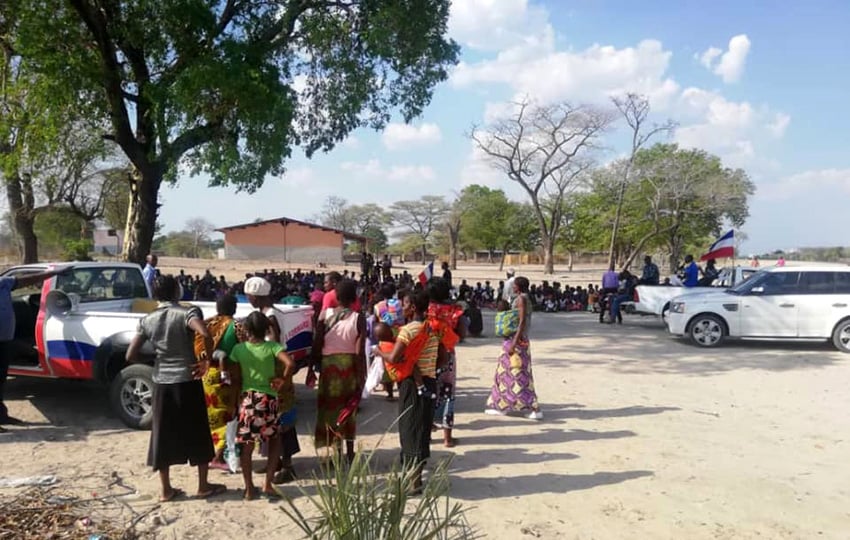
354, 504
78, 250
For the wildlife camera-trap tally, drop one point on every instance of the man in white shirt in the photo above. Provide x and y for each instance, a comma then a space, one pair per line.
508, 293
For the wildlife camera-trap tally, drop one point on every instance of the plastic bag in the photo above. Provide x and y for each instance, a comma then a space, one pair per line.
374, 377
231, 451
507, 322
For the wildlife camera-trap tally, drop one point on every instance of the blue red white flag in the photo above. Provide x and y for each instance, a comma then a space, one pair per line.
426, 274
723, 248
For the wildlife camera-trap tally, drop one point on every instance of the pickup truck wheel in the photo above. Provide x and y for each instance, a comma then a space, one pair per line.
841, 336
131, 395
707, 331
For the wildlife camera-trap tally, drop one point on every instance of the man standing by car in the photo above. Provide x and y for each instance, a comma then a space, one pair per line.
149, 271
7, 329
650, 275
691, 270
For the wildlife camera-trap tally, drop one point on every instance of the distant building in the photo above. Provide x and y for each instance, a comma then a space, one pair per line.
108, 241
287, 240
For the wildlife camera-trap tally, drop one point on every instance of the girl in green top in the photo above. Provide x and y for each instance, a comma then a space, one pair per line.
257, 359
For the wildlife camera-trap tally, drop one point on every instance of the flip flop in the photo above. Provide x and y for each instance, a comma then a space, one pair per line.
214, 489
176, 493
273, 496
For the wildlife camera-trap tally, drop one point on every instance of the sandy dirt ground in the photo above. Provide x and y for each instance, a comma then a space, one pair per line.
643, 437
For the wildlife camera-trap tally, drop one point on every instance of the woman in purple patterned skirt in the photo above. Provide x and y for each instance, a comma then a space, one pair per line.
513, 385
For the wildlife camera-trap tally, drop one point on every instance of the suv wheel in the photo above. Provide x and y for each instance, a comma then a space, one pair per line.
841, 336
131, 395
707, 331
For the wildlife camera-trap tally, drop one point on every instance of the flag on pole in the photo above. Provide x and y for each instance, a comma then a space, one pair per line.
426, 274
723, 248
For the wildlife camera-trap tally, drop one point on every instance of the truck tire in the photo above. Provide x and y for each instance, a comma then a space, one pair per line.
131, 395
841, 336
707, 330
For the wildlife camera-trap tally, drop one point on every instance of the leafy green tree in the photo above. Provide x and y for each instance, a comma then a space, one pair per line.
486, 217
211, 84
55, 227
678, 198
50, 155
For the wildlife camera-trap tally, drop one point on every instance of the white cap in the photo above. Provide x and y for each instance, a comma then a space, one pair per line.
511, 271
257, 286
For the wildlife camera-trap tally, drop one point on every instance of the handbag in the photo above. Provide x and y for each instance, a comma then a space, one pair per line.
507, 322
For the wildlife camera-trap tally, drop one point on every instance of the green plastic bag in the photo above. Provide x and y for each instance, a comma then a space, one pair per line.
507, 322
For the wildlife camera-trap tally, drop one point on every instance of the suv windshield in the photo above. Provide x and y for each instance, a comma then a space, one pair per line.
98, 284
747, 285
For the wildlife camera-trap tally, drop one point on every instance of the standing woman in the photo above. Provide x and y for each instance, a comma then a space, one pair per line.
513, 387
442, 309
258, 422
221, 396
180, 430
416, 409
341, 336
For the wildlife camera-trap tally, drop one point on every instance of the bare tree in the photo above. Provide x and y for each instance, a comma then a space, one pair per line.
634, 108
421, 218
544, 148
199, 229
336, 213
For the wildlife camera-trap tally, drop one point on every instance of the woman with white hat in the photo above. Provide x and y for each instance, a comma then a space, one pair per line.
258, 291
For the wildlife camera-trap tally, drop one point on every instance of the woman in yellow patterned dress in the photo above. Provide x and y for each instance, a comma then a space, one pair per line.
221, 396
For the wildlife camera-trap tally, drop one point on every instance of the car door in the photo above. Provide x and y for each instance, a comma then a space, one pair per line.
770, 308
26, 304
814, 310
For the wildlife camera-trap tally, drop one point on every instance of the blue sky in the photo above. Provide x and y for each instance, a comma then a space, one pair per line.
758, 83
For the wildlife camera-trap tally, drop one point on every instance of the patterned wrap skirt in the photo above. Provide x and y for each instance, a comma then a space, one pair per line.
338, 384
257, 418
444, 415
513, 385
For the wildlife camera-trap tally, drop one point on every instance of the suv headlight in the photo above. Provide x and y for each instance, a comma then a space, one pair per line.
677, 307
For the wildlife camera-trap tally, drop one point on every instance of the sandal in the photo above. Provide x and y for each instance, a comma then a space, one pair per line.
214, 489
176, 493
284, 476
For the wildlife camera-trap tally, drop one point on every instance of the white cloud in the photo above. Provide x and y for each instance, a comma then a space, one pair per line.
495, 24
816, 181
536, 69
403, 136
299, 177
374, 171
707, 58
412, 174
779, 124
731, 63
351, 142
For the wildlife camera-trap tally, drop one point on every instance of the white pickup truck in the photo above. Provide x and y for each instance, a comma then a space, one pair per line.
655, 299
78, 326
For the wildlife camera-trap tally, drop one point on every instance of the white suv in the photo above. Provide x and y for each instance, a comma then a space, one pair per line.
788, 303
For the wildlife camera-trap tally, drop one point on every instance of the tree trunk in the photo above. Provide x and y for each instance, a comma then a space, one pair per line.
21, 207
548, 257
141, 216
454, 238
502, 261
424, 252
570, 263
616, 227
